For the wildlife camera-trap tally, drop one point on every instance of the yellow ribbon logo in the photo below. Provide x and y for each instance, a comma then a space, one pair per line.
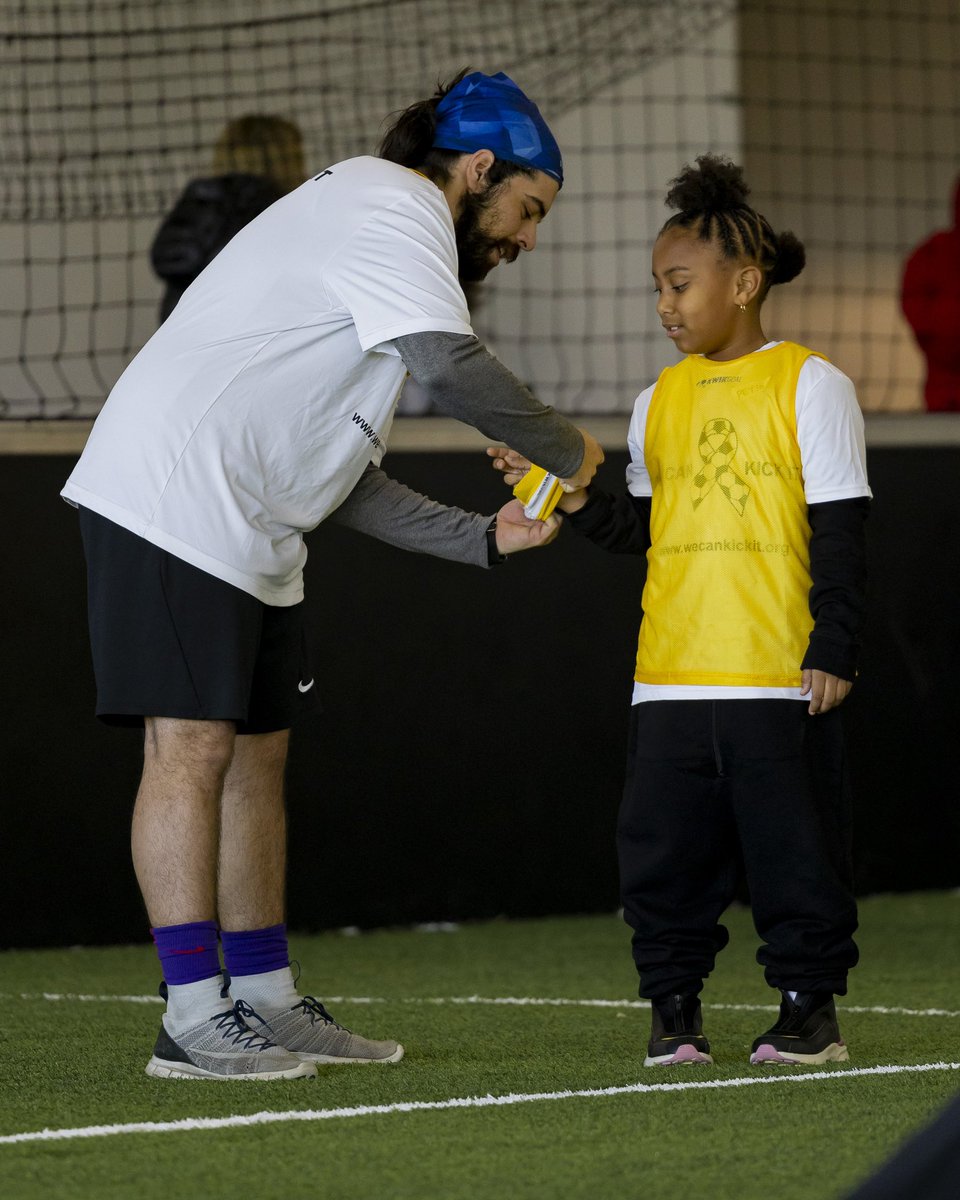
717, 446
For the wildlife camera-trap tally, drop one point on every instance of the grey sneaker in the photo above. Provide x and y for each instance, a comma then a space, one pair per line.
224, 1047
309, 1031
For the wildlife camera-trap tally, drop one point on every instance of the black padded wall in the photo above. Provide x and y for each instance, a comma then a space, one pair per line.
469, 756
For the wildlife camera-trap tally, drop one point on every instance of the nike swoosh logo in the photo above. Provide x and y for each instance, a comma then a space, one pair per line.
305, 687
195, 950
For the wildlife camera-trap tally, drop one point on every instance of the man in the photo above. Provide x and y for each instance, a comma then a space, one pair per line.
260, 408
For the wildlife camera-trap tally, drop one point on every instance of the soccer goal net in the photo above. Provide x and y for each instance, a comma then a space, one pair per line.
845, 116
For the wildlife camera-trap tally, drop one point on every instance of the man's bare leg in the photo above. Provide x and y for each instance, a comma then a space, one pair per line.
252, 873
253, 834
176, 839
251, 902
176, 818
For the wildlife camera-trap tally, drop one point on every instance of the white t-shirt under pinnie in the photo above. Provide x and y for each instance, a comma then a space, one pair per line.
252, 412
834, 459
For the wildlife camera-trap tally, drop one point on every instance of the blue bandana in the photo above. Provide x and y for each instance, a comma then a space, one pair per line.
489, 112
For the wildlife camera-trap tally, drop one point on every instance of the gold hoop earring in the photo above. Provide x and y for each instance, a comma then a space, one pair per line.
742, 307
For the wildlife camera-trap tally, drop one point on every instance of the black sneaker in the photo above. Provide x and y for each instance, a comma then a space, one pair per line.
806, 1032
676, 1035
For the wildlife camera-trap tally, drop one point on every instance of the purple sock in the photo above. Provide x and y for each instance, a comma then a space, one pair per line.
255, 951
188, 953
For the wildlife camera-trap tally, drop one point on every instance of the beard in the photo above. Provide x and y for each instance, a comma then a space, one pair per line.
477, 251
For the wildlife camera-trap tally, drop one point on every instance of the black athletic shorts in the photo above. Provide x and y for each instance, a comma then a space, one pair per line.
169, 640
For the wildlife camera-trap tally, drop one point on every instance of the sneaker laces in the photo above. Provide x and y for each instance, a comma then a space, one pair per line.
310, 1005
235, 1027
313, 1009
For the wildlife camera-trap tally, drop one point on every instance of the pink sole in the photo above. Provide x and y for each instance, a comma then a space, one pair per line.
768, 1054
685, 1056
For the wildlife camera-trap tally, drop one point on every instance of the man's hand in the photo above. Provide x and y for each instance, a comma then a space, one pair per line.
826, 691
592, 458
514, 466
516, 532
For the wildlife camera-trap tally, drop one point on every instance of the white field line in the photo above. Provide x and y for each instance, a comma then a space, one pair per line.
190, 1124
513, 1001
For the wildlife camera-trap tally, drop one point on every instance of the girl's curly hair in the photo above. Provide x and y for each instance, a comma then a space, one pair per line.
712, 199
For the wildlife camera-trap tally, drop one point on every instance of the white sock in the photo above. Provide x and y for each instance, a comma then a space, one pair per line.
190, 1003
270, 991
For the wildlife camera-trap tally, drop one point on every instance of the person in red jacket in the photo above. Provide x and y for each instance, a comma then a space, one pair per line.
930, 296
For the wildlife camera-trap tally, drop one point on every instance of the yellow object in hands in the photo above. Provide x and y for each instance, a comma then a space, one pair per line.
538, 491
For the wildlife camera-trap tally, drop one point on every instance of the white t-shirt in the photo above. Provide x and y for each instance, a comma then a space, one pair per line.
834, 458
251, 413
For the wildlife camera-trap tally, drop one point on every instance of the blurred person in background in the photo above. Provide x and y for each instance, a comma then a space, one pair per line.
924, 1167
257, 159
930, 296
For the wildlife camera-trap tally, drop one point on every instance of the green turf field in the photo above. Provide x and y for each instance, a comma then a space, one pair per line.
561, 1104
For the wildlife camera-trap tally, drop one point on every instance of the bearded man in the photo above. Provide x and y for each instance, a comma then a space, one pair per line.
260, 408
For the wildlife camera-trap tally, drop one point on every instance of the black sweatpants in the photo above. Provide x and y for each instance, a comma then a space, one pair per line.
711, 784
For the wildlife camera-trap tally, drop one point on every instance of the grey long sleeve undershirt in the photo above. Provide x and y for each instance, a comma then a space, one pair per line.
391, 512
465, 381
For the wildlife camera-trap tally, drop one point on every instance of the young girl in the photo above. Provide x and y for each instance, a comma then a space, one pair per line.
747, 491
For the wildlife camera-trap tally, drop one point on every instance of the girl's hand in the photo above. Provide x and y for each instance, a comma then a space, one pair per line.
826, 691
571, 502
